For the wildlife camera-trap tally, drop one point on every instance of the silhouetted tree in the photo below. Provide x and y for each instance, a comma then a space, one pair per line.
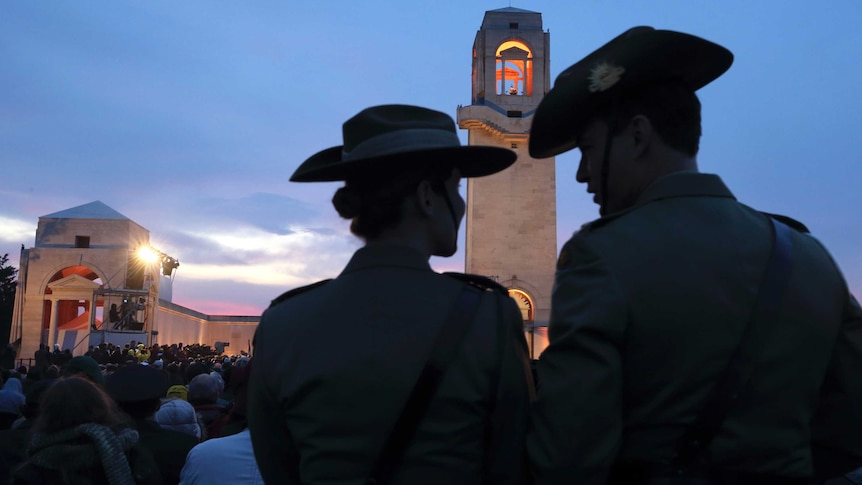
7, 298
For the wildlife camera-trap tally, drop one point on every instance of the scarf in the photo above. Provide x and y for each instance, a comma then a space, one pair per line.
84, 447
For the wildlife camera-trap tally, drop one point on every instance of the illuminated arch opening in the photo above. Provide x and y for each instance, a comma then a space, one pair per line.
514, 69
71, 314
536, 335
525, 304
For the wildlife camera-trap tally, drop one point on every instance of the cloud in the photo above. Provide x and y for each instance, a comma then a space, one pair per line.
258, 241
270, 212
267, 258
215, 306
16, 231
193, 247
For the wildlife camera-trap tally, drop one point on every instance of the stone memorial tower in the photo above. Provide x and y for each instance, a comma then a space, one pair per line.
511, 216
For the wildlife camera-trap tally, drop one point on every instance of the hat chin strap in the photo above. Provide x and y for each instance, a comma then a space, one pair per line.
451, 211
603, 201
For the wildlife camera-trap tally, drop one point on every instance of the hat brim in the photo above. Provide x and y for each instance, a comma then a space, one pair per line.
472, 161
647, 56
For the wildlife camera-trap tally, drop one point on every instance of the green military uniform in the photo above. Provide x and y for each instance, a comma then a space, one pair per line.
648, 306
334, 365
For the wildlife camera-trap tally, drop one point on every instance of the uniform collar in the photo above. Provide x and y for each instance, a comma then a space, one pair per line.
377, 255
684, 184
678, 184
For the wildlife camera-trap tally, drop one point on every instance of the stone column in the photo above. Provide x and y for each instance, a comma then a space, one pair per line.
91, 308
52, 327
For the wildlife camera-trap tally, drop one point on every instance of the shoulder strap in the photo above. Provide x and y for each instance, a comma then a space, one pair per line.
698, 436
793, 223
297, 291
479, 281
445, 347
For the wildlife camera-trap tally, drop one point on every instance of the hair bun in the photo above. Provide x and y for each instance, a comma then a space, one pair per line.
347, 202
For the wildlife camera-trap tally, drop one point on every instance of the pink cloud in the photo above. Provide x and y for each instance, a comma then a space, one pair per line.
219, 307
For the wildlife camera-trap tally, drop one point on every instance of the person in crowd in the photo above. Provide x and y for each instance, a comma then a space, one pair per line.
195, 369
13, 442
129, 358
86, 367
127, 317
55, 354
79, 437
142, 354
113, 352
100, 355
178, 392
114, 315
322, 403
175, 374
238, 420
692, 338
60, 357
169, 354
11, 400
52, 372
229, 459
33, 376
204, 389
203, 394
138, 389
155, 354
227, 368
181, 351
7, 357
221, 401
179, 415
42, 357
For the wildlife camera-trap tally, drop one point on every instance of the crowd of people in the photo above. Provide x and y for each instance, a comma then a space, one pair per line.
159, 415
109, 353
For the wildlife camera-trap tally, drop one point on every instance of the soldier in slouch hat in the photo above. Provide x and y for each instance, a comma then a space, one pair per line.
690, 335
335, 362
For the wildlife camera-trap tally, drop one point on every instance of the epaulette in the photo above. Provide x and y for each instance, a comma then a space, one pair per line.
793, 223
296, 291
481, 282
601, 221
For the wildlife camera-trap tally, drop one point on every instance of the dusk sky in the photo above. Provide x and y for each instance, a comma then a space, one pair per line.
189, 117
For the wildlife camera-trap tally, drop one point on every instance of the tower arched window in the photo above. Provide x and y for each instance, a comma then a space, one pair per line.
525, 304
514, 69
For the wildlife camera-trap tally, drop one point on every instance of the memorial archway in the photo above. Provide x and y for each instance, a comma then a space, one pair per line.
514, 70
68, 301
537, 335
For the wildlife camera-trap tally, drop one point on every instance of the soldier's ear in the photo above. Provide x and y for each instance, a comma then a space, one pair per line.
642, 135
424, 198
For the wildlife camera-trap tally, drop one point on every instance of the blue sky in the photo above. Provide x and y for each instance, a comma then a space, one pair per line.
189, 117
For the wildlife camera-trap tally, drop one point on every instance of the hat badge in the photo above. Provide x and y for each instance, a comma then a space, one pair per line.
604, 75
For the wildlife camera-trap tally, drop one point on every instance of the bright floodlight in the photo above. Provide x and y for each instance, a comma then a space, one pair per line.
147, 254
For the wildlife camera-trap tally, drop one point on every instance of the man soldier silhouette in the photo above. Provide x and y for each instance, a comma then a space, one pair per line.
692, 338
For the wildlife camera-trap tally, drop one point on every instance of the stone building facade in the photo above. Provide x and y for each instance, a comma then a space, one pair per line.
93, 276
